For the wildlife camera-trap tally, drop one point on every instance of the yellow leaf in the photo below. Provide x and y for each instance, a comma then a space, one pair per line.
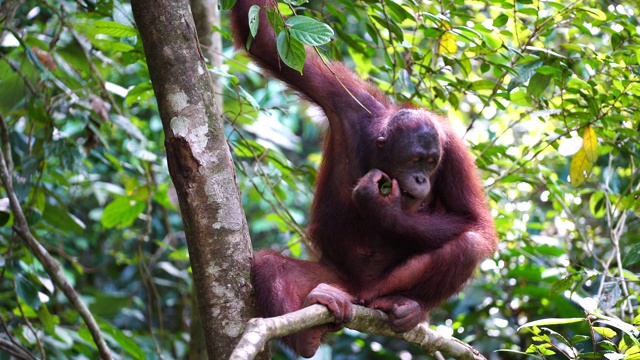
590, 144
606, 332
580, 168
634, 350
448, 44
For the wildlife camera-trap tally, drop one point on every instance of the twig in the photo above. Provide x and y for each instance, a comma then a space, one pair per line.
260, 331
15, 350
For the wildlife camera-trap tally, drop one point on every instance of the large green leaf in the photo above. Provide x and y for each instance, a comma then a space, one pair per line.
121, 212
62, 219
309, 31
27, 290
291, 51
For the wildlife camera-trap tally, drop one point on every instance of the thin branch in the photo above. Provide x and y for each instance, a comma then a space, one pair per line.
50, 264
260, 331
15, 350
30, 326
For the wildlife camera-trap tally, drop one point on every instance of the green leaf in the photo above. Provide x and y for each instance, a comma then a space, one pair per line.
139, 93
62, 219
568, 283
309, 31
227, 4
597, 204
604, 331
254, 19
385, 188
632, 256
4, 218
121, 212
397, 11
578, 84
501, 20
493, 41
547, 70
580, 338
250, 99
113, 28
597, 14
619, 324
538, 84
483, 85
125, 341
519, 97
49, 321
33, 216
27, 291
551, 321
291, 51
295, 246
112, 45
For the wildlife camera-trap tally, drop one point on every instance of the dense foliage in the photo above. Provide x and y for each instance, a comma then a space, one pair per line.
545, 93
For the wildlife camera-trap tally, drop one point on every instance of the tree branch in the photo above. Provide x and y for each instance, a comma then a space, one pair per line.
50, 264
259, 331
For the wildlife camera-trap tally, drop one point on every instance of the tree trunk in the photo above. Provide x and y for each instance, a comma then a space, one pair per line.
206, 16
201, 168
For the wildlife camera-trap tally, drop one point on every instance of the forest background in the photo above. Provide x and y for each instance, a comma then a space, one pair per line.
545, 94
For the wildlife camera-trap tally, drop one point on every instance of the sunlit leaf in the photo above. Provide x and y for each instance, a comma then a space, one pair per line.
295, 246
500, 21
618, 324
604, 331
597, 14
520, 97
579, 168
483, 85
551, 321
578, 84
590, 144
121, 212
448, 45
398, 12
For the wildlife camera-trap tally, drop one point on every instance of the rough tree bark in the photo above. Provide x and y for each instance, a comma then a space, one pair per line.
201, 168
206, 16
